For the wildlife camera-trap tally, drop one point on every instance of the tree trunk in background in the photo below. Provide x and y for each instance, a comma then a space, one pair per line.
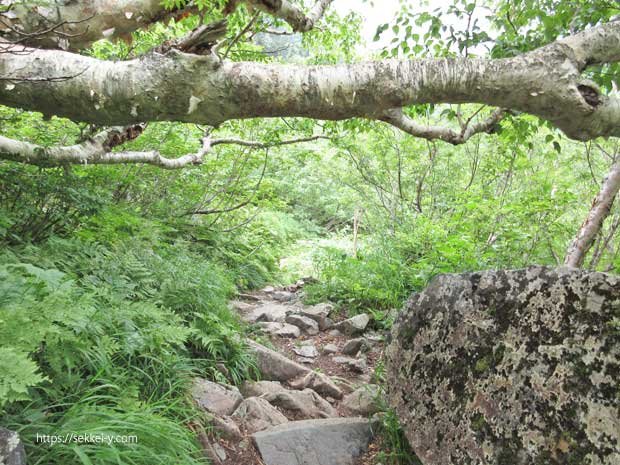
594, 221
356, 223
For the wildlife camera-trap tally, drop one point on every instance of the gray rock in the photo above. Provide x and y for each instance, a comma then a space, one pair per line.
334, 441
335, 333
330, 349
226, 427
354, 325
374, 337
257, 414
289, 331
270, 327
242, 307
307, 402
269, 290
274, 366
318, 382
353, 346
363, 401
11, 448
279, 329
215, 398
220, 452
260, 388
307, 325
267, 312
515, 366
318, 313
307, 351
306, 360
283, 296
355, 364
344, 384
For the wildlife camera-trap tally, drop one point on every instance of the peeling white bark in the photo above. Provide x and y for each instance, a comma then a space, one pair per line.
594, 221
75, 25
546, 82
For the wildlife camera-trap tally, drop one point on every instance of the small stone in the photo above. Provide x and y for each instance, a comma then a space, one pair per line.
358, 365
260, 388
307, 351
304, 323
363, 401
306, 360
318, 313
335, 333
226, 427
354, 325
353, 346
344, 384
374, 337
267, 312
307, 402
318, 382
283, 296
330, 349
279, 329
275, 366
220, 451
269, 290
242, 307
289, 331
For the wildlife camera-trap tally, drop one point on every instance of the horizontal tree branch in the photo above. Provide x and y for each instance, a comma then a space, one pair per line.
264, 145
289, 12
175, 86
97, 150
94, 151
397, 118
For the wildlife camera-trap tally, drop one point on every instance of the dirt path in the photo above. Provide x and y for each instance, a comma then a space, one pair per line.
270, 311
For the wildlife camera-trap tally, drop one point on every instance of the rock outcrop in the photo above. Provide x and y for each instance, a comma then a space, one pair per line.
510, 368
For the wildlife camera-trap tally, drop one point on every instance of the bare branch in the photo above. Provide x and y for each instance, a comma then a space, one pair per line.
284, 9
96, 151
264, 145
397, 118
594, 221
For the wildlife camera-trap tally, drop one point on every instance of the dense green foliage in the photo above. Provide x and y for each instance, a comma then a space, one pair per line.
113, 292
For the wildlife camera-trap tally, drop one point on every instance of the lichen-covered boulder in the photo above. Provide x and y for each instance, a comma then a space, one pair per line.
510, 368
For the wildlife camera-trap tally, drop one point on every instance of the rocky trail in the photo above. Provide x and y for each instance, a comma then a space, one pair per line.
316, 400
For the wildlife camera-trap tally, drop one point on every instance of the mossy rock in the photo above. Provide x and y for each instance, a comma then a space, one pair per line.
510, 368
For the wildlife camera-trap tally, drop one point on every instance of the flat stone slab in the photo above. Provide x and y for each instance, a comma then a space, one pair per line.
332, 441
